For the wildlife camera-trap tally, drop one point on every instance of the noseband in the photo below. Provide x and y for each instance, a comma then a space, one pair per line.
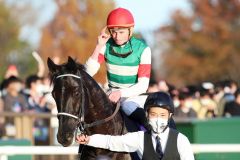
80, 119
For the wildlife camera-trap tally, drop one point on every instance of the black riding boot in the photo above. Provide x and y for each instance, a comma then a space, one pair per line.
139, 116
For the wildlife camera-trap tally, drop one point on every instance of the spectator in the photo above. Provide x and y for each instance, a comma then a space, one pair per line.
153, 86
233, 108
218, 97
229, 87
174, 92
208, 105
14, 101
11, 71
34, 93
163, 86
37, 104
185, 107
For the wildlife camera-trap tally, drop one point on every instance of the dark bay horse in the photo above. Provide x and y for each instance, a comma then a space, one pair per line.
80, 100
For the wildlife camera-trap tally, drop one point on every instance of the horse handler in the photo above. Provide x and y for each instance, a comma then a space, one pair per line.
159, 143
128, 63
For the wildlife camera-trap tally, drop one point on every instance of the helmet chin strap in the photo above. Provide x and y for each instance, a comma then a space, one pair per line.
130, 32
167, 123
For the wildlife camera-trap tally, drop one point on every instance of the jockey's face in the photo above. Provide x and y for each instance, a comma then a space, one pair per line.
120, 35
157, 112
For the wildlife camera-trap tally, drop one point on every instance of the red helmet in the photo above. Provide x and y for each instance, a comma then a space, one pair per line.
120, 17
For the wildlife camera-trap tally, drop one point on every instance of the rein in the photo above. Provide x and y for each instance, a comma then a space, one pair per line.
81, 124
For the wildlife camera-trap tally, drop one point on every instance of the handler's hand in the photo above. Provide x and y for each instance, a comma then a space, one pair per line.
82, 139
103, 37
115, 96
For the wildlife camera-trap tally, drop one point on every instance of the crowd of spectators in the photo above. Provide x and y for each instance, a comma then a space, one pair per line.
33, 95
205, 100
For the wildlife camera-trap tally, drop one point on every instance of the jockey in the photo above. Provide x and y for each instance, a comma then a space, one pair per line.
128, 63
160, 143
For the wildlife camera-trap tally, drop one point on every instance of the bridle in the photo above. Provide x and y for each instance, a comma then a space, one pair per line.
81, 125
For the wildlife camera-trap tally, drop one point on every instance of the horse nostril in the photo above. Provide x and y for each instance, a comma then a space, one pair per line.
69, 138
65, 139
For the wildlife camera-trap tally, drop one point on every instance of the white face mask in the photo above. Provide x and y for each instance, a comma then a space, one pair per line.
40, 89
158, 124
188, 104
176, 103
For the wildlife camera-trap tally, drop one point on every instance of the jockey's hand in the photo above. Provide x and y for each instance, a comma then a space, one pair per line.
103, 37
115, 96
82, 139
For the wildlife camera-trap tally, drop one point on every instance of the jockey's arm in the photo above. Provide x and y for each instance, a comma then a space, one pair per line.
144, 71
93, 63
129, 142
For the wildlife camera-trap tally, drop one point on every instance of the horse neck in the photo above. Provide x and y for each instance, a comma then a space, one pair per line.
100, 107
97, 96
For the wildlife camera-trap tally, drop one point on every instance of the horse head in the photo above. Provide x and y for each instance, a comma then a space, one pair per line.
67, 91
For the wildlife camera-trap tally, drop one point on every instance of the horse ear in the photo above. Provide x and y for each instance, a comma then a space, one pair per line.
71, 64
70, 60
51, 65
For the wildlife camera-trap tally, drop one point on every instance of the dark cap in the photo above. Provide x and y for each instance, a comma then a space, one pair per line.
159, 99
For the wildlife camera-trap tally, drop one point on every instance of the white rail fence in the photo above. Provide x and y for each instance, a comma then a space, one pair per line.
6, 151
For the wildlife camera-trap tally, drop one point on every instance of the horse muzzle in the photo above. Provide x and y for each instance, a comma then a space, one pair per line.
65, 139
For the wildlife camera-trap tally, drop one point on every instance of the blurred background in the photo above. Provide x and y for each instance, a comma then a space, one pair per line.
195, 57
